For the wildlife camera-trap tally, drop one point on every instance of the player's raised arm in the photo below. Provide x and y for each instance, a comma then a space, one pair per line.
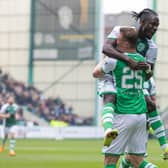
3, 116
109, 49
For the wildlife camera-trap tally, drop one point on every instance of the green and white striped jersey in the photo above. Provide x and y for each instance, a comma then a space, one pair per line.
11, 109
129, 83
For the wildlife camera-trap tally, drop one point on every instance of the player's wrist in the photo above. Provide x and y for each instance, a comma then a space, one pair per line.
148, 70
127, 59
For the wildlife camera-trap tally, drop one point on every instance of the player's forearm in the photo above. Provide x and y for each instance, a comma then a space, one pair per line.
110, 51
3, 116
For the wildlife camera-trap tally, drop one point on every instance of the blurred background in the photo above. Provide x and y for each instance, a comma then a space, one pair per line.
48, 49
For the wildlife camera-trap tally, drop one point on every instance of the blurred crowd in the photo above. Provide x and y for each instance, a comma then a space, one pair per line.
31, 99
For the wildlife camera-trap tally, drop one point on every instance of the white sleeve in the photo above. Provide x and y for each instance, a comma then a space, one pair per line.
114, 33
109, 64
151, 54
3, 108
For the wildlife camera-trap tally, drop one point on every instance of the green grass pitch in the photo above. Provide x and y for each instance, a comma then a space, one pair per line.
66, 154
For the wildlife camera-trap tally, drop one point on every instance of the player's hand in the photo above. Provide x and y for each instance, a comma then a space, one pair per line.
132, 64
137, 65
8, 115
142, 66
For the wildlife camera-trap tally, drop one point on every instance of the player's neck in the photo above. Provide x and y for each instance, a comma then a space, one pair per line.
129, 50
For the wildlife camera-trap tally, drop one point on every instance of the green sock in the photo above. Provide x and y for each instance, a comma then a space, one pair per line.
146, 164
12, 144
107, 115
110, 166
125, 163
158, 128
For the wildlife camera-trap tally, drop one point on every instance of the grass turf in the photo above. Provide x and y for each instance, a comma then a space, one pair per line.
66, 154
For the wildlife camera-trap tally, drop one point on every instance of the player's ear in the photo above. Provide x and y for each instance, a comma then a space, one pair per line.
126, 45
142, 21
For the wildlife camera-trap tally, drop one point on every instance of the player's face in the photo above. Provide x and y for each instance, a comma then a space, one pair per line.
11, 100
149, 27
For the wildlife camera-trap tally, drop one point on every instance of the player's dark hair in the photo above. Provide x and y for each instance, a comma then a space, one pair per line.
130, 35
144, 14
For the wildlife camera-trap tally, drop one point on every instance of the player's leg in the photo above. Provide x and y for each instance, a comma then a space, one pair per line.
156, 124
107, 118
139, 162
122, 123
110, 161
107, 91
125, 162
136, 147
2, 148
4, 139
12, 141
154, 119
12, 146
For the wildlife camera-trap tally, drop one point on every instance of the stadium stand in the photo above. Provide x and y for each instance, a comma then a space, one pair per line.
29, 98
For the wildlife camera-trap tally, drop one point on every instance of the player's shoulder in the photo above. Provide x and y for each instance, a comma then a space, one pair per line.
5, 105
15, 105
108, 60
122, 26
140, 55
116, 30
137, 56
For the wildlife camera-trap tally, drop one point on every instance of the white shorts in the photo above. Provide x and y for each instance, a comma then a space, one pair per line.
11, 130
106, 86
132, 135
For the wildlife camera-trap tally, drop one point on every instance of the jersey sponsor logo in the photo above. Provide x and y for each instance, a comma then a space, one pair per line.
141, 47
132, 92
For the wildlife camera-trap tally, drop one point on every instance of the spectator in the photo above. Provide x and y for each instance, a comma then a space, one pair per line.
31, 99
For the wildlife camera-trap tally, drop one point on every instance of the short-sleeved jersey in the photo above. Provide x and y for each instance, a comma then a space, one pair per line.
145, 47
11, 109
129, 83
